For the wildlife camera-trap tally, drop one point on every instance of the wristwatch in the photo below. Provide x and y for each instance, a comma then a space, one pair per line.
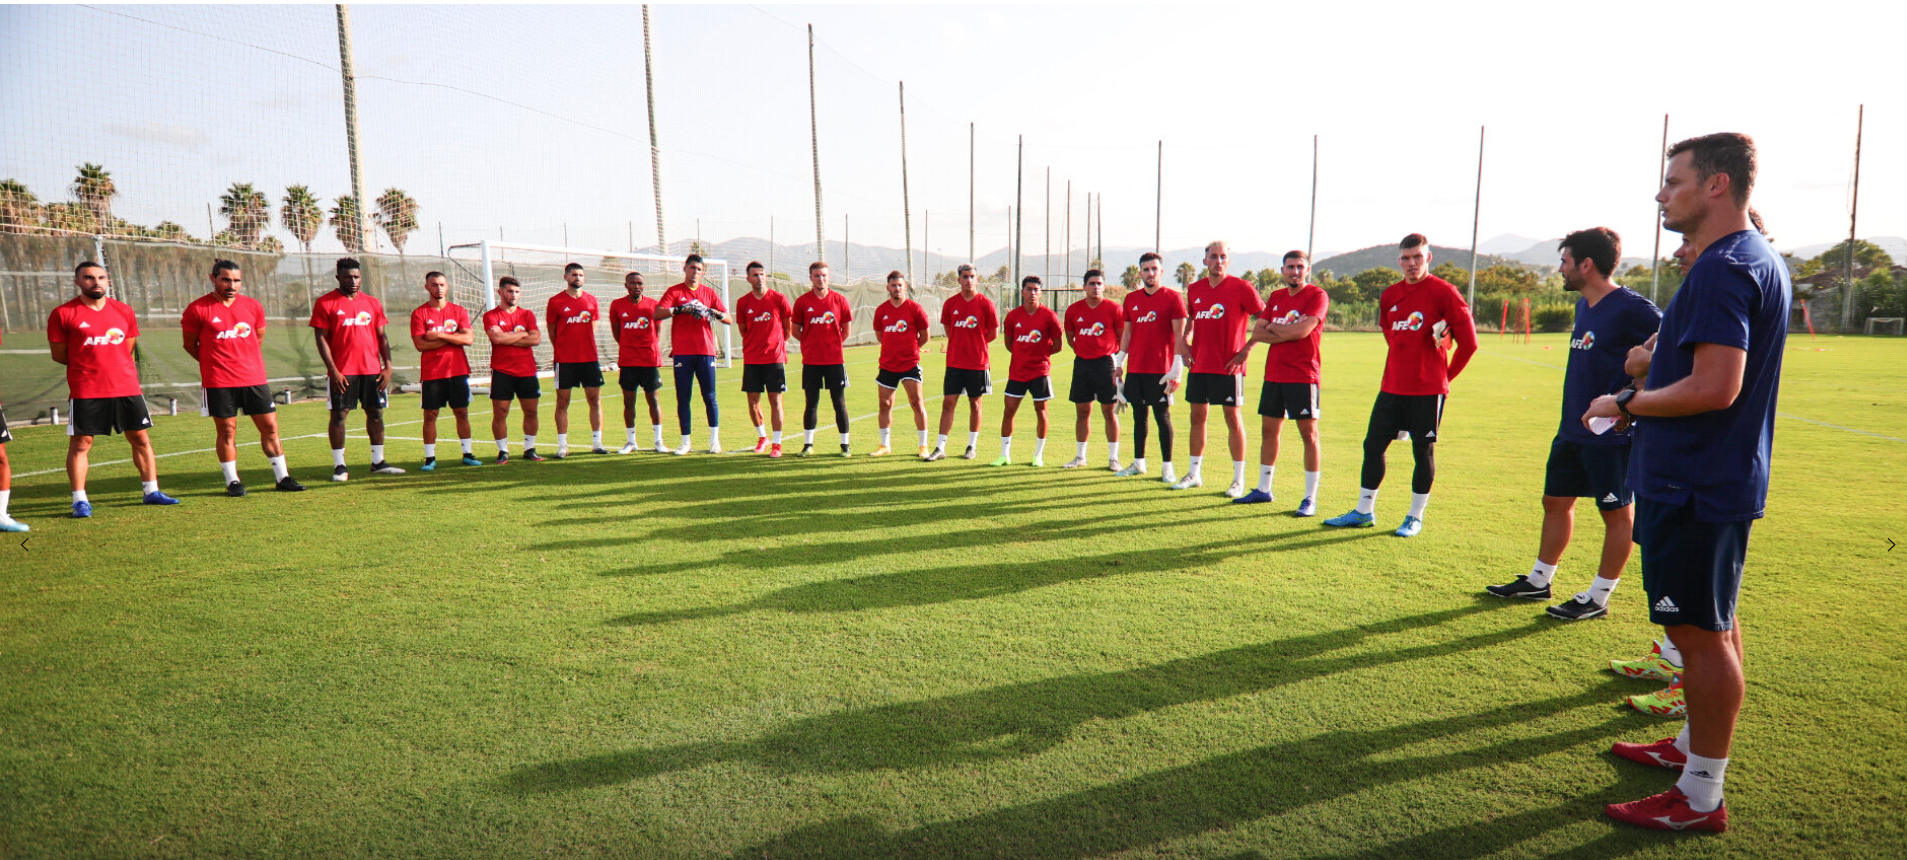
1622, 402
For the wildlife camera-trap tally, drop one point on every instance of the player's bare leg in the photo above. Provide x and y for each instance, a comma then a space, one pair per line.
78, 453
562, 423
1040, 424
1110, 412
500, 428
529, 428
7, 522
1235, 445
914, 402
1195, 445
884, 397
1006, 430
1082, 431
594, 397
655, 416
756, 418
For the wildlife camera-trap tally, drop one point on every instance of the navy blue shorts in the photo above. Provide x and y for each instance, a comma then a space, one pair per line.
1691, 569
1599, 472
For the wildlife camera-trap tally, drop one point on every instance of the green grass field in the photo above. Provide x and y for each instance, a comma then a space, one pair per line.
651, 656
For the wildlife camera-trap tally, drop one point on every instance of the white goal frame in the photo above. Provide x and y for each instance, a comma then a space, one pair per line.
1896, 322
717, 271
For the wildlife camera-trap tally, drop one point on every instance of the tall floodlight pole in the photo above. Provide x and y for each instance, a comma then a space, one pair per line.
814, 139
1019, 206
351, 123
969, 193
1048, 212
1476, 216
1853, 213
1089, 229
771, 247
847, 251
926, 250
655, 144
1662, 167
1311, 238
1069, 231
1158, 202
907, 212
1101, 257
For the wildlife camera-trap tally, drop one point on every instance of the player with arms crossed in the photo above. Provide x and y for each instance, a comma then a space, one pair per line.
224, 332
1413, 314
1292, 323
93, 335
512, 331
1705, 421
1033, 336
822, 321
1148, 362
765, 316
902, 328
571, 316
1094, 327
7, 523
1221, 307
971, 322
440, 329
638, 357
349, 328
689, 306
1611, 320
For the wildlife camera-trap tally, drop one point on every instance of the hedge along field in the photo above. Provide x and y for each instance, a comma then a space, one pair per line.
652, 656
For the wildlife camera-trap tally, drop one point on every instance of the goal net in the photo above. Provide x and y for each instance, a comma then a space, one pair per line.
475, 269
1884, 325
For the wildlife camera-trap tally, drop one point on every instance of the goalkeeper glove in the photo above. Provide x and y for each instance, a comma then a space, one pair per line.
1119, 396
1178, 365
1118, 361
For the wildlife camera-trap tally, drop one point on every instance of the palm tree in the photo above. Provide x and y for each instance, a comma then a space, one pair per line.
397, 214
304, 217
94, 187
344, 221
1131, 278
247, 211
270, 245
19, 208
69, 218
171, 232
1185, 274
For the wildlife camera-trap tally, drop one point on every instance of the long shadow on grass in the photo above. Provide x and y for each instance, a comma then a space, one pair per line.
1503, 833
986, 579
1218, 793
1023, 719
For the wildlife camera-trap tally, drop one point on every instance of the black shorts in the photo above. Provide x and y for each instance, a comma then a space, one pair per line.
1691, 569
453, 392
1215, 389
578, 374
639, 378
359, 390
228, 402
1092, 380
815, 377
504, 386
764, 378
103, 416
1147, 389
1038, 389
1599, 472
5, 434
891, 379
1295, 400
966, 381
1394, 415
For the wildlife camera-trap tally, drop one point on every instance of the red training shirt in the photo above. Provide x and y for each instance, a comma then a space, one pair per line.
1221, 322
572, 326
970, 325
230, 340
1408, 314
350, 325
1032, 338
98, 348
1095, 331
765, 324
825, 320
448, 360
688, 335
1295, 360
513, 360
898, 329
637, 343
1150, 318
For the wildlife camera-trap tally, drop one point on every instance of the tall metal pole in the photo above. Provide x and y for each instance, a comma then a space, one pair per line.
814, 138
847, 252
1101, 256
771, 247
655, 143
351, 125
1158, 202
1048, 212
926, 250
1311, 238
1662, 167
1853, 215
1089, 229
970, 193
907, 212
1069, 232
1476, 217
1019, 206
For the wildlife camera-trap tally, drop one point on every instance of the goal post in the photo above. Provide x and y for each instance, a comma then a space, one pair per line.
475, 267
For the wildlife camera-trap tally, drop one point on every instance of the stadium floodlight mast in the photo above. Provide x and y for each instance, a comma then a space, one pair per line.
1476, 219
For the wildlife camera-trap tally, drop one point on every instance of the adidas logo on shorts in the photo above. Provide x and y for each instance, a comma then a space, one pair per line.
1666, 605
1609, 499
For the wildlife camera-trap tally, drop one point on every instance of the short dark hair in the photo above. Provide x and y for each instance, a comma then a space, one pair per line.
818, 264
1032, 281
86, 264
628, 275
753, 265
222, 265
1297, 255
1598, 245
1414, 240
429, 275
507, 281
1723, 152
964, 268
573, 267
346, 264
1091, 274
1148, 257
693, 258
896, 274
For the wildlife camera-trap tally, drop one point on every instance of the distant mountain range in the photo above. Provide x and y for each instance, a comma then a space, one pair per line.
1386, 255
1895, 247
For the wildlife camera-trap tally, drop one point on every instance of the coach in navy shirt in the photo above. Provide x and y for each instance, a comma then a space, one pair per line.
1705, 425
1610, 320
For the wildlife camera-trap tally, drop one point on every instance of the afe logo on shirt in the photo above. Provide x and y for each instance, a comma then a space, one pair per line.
579, 319
1215, 312
970, 321
764, 316
1587, 341
638, 323
112, 337
1094, 330
241, 330
1411, 323
446, 326
1148, 316
1291, 316
1034, 336
896, 327
363, 318
826, 318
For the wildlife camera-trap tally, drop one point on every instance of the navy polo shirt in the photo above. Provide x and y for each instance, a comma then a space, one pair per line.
1604, 335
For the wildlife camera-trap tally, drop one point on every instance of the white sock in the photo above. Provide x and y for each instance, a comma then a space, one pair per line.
1541, 574
595, 438
1171, 469
685, 440
1419, 501
562, 441
807, 437
337, 456
973, 439
629, 437
430, 450
503, 446
1681, 740
1702, 782
5, 495
844, 440
148, 487
1670, 652
1139, 463
465, 445
1081, 454
1039, 447
1264, 478
761, 431
887, 435
658, 429
1006, 446
942, 444
1366, 500
1194, 468
1112, 451
279, 471
377, 453
778, 437
1311, 484
1238, 472
921, 435
1599, 590
79, 495
715, 436
229, 470
529, 441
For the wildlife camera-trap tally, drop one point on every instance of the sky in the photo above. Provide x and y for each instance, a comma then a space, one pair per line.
529, 123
